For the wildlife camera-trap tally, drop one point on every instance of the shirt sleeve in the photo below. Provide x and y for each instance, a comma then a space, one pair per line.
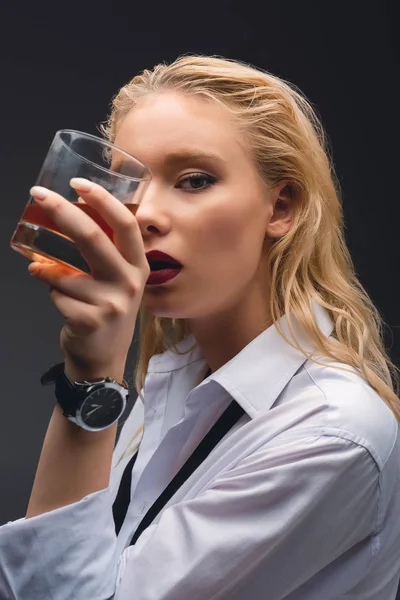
69, 552
276, 519
291, 503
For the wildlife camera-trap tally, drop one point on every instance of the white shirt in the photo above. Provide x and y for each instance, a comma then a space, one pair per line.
299, 501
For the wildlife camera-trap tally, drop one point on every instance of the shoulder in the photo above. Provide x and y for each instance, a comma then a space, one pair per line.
341, 403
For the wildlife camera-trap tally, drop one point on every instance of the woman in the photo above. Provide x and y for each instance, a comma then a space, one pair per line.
300, 498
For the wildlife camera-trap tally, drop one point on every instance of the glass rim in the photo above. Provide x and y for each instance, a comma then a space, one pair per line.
110, 145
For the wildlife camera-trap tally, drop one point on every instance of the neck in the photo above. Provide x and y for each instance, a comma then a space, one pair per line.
222, 336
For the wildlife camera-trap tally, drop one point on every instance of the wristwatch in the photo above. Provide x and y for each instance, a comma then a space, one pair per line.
93, 405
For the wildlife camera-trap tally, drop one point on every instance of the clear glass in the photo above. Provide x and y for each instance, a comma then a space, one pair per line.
76, 154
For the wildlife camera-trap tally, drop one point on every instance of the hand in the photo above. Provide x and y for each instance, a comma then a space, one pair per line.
100, 309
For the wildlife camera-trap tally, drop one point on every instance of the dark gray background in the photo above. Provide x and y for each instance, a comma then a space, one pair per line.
59, 69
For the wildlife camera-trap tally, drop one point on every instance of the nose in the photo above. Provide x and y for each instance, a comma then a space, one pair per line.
151, 212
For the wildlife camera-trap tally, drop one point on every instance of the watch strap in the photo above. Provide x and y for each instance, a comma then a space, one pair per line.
66, 391
52, 374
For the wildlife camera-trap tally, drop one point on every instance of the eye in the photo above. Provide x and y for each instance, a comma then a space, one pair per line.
196, 182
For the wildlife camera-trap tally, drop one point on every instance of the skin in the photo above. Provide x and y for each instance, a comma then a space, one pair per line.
217, 228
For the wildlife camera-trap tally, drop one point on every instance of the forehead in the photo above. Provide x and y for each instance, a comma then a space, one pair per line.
161, 123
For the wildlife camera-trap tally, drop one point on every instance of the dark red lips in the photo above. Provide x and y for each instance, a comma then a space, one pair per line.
159, 260
163, 267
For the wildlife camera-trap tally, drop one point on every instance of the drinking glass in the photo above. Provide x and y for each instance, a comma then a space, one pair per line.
77, 154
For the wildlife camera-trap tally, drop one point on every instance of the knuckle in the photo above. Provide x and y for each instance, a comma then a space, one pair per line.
87, 322
93, 234
86, 326
113, 308
57, 204
127, 222
132, 288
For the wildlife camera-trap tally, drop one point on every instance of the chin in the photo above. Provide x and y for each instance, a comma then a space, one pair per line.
182, 306
154, 304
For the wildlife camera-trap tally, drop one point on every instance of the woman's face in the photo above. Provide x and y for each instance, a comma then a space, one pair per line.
205, 206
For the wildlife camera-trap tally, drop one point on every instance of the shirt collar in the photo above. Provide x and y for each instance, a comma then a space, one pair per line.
257, 374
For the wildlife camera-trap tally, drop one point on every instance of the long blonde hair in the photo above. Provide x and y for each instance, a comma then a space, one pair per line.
311, 261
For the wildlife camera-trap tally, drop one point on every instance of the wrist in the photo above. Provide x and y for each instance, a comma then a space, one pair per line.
90, 399
88, 373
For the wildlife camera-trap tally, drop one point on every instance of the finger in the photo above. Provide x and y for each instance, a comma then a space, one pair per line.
95, 246
39, 258
81, 317
127, 236
71, 283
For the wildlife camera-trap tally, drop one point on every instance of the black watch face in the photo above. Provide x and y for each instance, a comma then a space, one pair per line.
102, 407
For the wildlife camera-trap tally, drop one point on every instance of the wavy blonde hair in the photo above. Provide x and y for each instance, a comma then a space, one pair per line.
311, 261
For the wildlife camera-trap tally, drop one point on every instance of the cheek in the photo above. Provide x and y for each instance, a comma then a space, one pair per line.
229, 238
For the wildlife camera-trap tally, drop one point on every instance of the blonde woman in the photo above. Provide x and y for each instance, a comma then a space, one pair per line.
261, 316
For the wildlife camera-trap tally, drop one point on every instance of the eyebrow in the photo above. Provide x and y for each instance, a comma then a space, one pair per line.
181, 156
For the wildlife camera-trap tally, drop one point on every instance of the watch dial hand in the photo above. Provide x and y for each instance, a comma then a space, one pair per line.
96, 406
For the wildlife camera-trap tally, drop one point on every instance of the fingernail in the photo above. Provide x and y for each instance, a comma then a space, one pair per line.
38, 192
33, 268
83, 185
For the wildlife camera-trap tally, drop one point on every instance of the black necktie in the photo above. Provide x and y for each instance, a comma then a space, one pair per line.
123, 498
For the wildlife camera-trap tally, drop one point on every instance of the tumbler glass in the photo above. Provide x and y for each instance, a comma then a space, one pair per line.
76, 154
